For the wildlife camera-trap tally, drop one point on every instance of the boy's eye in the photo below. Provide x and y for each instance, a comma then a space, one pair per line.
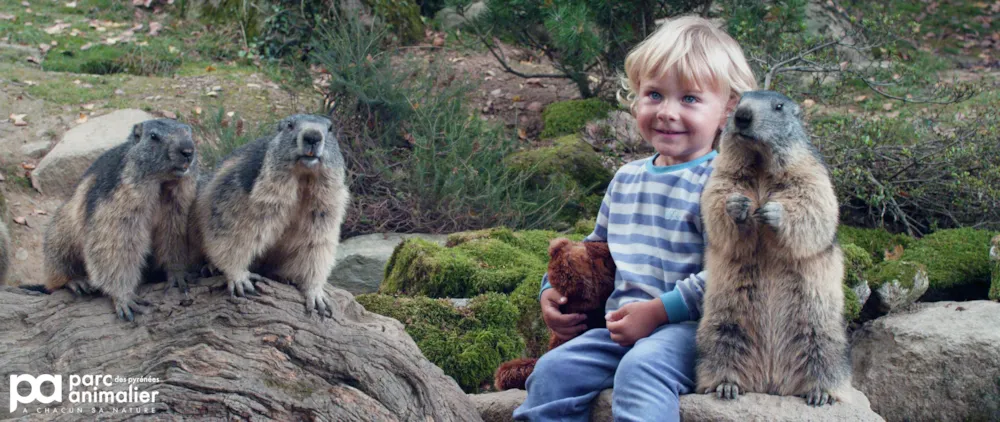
655, 96
689, 99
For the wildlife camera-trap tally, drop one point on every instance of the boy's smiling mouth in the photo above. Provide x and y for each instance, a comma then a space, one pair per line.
670, 132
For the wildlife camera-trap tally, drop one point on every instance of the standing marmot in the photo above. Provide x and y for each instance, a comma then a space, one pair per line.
130, 206
773, 319
275, 207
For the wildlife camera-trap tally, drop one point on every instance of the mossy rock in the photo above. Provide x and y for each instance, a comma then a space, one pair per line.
468, 344
402, 17
888, 271
571, 116
896, 284
852, 306
953, 257
476, 262
569, 156
875, 241
857, 262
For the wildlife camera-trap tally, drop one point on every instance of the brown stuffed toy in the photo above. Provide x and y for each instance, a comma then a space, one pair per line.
583, 272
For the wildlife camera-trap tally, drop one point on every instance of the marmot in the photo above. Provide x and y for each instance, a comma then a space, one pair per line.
274, 207
128, 210
773, 320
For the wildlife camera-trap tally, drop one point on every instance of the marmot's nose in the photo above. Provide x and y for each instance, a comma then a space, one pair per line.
186, 149
312, 137
743, 118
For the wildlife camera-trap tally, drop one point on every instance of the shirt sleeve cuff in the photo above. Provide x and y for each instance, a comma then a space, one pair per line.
545, 285
677, 311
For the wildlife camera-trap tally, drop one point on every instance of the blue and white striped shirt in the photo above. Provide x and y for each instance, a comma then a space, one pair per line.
651, 219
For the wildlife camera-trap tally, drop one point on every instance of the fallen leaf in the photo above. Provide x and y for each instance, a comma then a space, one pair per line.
18, 119
522, 133
894, 254
45, 47
41, 212
887, 106
89, 106
172, 49
82, 118
231, 114
22, 221
6, 17
210, 68
168, 114
33, 59
860, 98
71, 5
2, 177
844, 65
808, 102
28, 166
154, 28
57, 28
438, 41
197, 110
25, 4
86, 46
516, 99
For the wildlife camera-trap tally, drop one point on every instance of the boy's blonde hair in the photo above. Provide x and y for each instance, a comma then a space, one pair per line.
702, 55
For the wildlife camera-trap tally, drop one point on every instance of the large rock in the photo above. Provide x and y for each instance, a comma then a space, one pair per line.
361, 260
255, 358
62, 167
499, 407
940, 361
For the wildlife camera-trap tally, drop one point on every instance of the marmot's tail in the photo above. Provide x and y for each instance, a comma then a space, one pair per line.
513, 374
34, 288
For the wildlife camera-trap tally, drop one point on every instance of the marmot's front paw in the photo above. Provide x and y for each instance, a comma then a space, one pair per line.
126, 307
80, 287
771, 214
738, 207
243, 286
316, 299
726, 391
177, 279
818, 397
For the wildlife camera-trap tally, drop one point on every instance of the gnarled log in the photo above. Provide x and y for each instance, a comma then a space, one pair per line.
209, 356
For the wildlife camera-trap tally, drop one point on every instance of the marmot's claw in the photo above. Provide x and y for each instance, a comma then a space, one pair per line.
177, 279
771, 214
126, 308
241, 288
818, 397
80, 287
727, 391
738, 207
320, 303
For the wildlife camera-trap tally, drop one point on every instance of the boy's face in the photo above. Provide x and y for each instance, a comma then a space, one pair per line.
679, 121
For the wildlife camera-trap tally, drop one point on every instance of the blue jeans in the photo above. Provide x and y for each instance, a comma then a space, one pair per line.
647, 378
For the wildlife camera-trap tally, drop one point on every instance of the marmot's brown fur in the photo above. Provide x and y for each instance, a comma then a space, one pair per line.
129, 208
773, 320
584, 273
274, 207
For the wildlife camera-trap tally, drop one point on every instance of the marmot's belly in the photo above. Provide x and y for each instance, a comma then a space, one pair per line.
780, 329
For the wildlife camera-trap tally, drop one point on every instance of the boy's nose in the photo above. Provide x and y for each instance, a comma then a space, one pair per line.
667, 111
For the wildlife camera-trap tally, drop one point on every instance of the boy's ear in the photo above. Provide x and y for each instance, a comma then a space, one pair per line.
730, 107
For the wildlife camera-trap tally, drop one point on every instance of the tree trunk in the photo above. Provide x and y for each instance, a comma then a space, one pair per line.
216, 358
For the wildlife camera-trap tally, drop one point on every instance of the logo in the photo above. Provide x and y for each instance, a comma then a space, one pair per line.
36, 389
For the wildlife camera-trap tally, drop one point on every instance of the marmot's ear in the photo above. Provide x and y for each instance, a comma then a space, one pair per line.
136, 132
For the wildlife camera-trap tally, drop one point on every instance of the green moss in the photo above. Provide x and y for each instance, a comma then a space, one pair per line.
887, 271
852, 308
857, 261
468, 344
402, 18
571, 116
874, 241
953, 256
568, 156
584, 226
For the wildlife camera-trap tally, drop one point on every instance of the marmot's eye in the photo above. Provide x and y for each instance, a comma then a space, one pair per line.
290, 125
779, 106
154, 137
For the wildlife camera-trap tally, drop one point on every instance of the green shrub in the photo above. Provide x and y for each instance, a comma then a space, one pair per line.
568, 117
953, 257
468, 344
220, 135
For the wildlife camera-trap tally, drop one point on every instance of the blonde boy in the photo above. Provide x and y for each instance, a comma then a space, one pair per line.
682, 81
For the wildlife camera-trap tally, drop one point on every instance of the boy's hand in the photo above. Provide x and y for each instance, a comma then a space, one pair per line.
635, 321
565, 326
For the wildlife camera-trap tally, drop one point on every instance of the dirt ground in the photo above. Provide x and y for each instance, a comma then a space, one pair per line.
501, 96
